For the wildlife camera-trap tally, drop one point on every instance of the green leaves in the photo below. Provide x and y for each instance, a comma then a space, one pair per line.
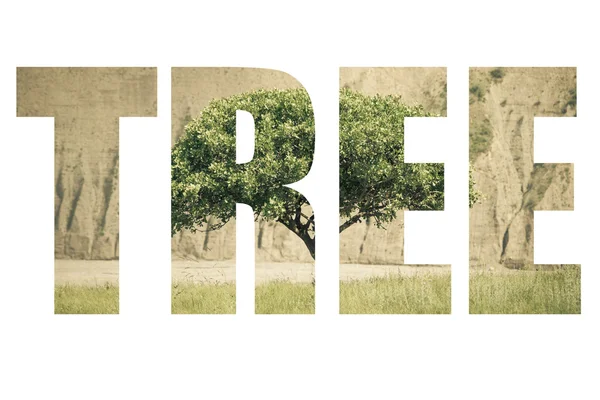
205, 177
374, 180
475, 195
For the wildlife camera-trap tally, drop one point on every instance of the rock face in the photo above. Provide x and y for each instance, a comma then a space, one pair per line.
504, 102
89, 102
274, 243
86, 104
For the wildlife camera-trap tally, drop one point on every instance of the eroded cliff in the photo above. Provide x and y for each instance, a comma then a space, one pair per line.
89, 102
86, 104
504, 102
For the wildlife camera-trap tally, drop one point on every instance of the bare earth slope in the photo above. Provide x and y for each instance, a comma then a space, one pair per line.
503, 105
86, 206
88, 103
501, 149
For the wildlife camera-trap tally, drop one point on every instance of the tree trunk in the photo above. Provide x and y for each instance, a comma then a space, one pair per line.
310, 243
302, 234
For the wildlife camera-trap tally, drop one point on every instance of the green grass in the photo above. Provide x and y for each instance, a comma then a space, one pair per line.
72, 299
419, 294
513, 292
192, 298
279, 297
526, 292
285, 298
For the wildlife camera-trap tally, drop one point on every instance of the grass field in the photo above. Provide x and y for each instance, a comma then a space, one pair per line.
526, 292
285, 298
203, 298
418, 294
71, 299
513, 292
272, 298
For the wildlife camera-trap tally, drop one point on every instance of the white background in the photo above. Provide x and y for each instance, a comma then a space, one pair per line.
147, 353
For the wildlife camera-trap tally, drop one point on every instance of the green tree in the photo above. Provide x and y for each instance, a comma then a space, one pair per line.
374, 181
206, 181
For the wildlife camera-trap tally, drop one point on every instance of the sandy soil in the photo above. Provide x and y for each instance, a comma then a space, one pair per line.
88, 272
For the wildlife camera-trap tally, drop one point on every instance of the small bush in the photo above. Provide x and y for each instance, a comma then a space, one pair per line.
480, 139
573, 99
497, 74
478, 92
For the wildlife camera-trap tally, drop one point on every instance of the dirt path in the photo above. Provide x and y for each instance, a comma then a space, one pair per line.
89, 272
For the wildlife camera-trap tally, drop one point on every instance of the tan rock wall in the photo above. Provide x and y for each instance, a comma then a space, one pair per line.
86, 104
501, 226
89, 102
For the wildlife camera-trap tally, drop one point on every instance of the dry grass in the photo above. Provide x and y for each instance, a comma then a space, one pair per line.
192, 298
526, 292
418, 294
279, 297
74, 299
513, 292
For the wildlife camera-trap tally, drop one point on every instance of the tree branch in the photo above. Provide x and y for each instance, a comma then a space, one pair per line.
309, 221
297, 217
350, 222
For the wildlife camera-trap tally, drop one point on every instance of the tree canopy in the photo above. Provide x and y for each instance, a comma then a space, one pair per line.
206, 181
374, 181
